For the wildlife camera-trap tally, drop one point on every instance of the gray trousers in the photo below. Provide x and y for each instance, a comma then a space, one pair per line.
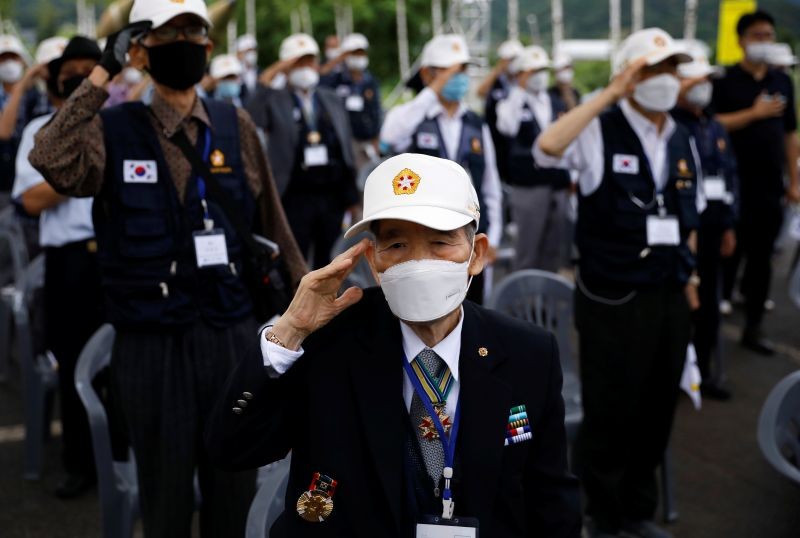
541, 217
166, 383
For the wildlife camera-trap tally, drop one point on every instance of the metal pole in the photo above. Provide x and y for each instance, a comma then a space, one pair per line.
402, 38
533, 25
436, 16
513, 19
348, 18
557, 17
305, 16
637, 15
232, 31
250, 17
294, 21
614, 22
690, 20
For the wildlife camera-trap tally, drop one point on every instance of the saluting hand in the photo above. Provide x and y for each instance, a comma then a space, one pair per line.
317, 300
443, 76
623, 84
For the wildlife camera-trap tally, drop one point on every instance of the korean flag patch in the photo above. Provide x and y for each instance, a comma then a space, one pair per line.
140, 171
427, 141
626, 164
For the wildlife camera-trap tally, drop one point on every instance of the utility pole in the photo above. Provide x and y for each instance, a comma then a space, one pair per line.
513, 19
436, 16
250, 17
557, 18
637, 15
402, 38
690, 20
614, 22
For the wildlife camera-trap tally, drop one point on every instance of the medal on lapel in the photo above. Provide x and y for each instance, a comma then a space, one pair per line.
316, 504
437, 390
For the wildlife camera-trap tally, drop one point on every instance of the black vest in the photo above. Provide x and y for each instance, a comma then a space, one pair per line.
521, 168
144, 233
611, 232
470, 152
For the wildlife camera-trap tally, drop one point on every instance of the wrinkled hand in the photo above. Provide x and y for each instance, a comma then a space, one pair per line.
114, 55
281, 66
768, 106
317, 300
728, 244
622, 85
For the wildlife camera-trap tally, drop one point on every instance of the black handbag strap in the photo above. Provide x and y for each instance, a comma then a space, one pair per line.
217, 193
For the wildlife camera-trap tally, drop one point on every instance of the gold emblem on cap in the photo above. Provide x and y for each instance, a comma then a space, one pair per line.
483, 352
217, 158
406, 182
456, 47
660, 41
683, 169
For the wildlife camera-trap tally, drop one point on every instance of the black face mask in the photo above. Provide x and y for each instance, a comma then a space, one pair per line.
70, 85
178, 65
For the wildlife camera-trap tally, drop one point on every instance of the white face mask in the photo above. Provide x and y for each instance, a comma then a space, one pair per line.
278, 82
658, 93
304, 78
699, 95
331, 54
565, 76
251, 58
357, 63
759, 53
538, 81
11, 71
425, 290
132, 76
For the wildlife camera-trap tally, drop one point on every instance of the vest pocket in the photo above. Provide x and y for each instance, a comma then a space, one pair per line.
145, 236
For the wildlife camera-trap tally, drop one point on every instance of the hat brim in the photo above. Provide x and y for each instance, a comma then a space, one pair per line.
162, 19
678, 53
437, 218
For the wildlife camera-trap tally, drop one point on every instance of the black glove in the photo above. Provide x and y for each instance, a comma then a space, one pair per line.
114, 55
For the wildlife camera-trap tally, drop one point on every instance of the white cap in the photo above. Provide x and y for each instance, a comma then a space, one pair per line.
652, 43
508, 50
50, 49
531, 58
781, 55
297, 46
561, 60
698, 67
445, 50
430, 191
159, 12
11, 43
354, 42
246, 42
225, 65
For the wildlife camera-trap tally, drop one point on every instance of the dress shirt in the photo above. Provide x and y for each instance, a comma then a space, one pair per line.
250, 79
509, 110
69, 221
278, 359
401, 123
586, 154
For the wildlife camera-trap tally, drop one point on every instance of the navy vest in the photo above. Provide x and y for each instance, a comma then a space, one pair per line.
521, 168
470, 152
144, 233
611, 232
316, 178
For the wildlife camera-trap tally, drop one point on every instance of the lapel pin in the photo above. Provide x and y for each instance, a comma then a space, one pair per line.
483, 352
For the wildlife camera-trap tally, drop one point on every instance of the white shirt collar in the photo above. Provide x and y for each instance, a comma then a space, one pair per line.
436, 109
643, 127
448, 349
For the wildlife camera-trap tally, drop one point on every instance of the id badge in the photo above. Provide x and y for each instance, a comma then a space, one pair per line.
354, 103
438, 527
714, 188
210, 248
663, 231
316, 155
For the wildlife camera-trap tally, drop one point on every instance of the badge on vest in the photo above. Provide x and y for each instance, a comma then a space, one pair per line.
438, 527
211, 248
139, 171
354, 103
427, 141
476, 145
626, 164
714, 188
316, 155
663, 231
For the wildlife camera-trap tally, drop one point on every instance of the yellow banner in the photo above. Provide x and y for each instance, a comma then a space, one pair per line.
728, 50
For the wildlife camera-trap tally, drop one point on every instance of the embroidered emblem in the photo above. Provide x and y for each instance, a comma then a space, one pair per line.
477, 147
217, 158
406, 182
683, 169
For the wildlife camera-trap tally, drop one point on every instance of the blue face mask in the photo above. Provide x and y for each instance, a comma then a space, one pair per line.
456, 88
228, 89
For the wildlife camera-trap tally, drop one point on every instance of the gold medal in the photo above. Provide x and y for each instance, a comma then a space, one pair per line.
314, 506
314, 137
428, 427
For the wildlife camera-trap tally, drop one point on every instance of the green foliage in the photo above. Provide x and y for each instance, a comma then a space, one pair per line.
591, 75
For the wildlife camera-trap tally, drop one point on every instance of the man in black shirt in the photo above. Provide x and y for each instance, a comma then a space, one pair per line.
756, 105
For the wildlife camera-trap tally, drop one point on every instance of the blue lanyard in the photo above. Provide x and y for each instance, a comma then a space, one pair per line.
448, 443
201, 184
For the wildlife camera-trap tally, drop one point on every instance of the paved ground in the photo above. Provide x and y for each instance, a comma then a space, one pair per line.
724, 487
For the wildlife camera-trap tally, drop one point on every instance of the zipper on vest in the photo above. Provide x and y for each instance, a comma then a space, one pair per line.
173, 268
233, 269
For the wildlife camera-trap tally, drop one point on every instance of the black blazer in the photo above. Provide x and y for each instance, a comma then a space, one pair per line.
340, 410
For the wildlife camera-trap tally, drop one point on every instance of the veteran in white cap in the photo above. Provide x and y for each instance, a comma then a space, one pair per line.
438, 122
226, 71
247, 52
405, 405
638, 211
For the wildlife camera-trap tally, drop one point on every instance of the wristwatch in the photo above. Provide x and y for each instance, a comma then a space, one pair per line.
270, 336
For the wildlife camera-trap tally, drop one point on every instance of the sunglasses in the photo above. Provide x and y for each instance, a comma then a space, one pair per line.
196, 33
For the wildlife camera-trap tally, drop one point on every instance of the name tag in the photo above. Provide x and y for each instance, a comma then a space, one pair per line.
343, 90
354, 103
211, 248
663, 231
316, 155
437, 527
427, 141
139, 171
626, 164
714, 187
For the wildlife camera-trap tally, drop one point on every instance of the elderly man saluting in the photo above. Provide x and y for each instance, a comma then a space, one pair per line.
405, 404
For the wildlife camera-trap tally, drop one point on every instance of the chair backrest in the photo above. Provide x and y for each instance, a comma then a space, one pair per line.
116, 481
361, 276
779, 427
269, 501
546, 300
